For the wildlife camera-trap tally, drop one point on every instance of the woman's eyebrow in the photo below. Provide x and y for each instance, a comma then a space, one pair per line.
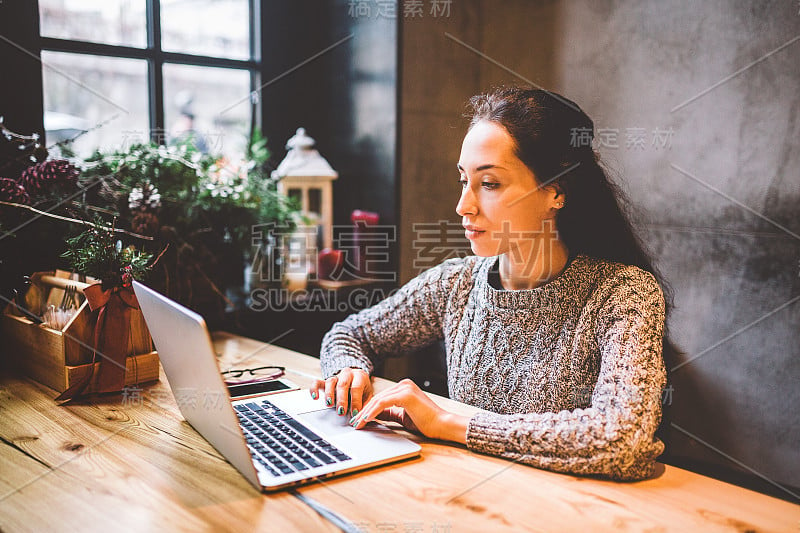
482, 167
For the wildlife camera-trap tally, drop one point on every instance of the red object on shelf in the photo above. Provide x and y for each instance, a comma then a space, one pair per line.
363, 222
367, 218
330, 264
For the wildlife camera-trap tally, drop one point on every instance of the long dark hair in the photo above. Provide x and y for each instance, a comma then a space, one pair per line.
553, 137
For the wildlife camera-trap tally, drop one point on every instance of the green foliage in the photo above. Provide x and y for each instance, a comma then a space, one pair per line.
198, 193
176, 170
234, 204
197, 211
257, 150
96, 252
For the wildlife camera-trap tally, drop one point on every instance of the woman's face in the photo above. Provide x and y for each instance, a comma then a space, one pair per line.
502, 207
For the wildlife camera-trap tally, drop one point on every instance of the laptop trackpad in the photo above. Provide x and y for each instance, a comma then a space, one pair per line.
326, 421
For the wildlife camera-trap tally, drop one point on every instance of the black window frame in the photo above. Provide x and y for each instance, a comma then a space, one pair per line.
156, 57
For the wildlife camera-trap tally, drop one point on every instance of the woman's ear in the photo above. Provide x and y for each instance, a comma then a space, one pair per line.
559, 197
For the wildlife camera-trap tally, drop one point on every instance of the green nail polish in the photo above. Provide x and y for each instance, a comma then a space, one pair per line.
328, 401
314, 394
354, 412
340, 410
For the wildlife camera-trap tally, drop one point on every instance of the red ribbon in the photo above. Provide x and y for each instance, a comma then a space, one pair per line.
111, 337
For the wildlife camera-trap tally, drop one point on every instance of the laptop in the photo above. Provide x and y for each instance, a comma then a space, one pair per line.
276, 440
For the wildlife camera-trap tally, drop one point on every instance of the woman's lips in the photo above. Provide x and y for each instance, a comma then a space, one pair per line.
472, 232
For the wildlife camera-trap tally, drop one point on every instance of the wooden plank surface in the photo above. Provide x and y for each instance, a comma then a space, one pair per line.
130, 462
116, 464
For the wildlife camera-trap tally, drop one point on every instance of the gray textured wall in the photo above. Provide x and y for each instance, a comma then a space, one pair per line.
718, 192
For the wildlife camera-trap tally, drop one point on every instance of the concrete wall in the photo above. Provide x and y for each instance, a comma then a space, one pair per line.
715, 84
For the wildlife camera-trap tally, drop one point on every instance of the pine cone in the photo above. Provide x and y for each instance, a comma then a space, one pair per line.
11, 191
48, 175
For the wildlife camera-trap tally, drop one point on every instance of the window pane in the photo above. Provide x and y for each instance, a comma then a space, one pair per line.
120, 22
219, 28
81, 91
315, 200
212, 105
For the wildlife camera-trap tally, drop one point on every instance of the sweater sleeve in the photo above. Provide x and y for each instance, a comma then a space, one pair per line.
410, 318
614, 436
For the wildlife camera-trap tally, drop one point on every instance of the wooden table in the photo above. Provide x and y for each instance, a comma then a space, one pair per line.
130, 462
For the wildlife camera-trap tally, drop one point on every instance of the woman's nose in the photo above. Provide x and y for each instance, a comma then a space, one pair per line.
466, 204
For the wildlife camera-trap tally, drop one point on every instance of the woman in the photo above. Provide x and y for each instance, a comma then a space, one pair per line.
554, 328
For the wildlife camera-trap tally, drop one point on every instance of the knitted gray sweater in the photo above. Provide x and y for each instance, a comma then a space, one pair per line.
569, 375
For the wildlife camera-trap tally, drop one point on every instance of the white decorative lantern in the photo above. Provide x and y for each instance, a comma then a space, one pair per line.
306, 175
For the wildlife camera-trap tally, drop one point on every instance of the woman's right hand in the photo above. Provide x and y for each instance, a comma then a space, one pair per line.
347, 391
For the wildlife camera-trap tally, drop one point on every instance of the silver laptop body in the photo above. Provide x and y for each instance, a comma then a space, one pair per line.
233, 427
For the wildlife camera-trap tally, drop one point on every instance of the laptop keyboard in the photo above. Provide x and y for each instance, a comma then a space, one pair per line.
281, 444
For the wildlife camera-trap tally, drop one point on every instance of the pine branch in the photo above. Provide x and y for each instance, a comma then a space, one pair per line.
77, 221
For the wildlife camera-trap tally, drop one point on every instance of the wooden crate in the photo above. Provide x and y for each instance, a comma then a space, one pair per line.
59, 358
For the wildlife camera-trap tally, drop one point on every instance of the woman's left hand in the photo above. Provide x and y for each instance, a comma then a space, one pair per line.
406, 404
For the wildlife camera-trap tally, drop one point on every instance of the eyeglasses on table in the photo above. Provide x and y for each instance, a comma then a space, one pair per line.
252, 375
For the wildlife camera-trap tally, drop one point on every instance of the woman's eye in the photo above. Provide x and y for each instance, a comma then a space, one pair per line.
490, 185
462, 182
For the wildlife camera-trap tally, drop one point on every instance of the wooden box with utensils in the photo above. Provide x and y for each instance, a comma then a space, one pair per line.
60, 357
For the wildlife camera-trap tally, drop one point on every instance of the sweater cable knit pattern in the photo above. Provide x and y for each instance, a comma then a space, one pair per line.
568, 375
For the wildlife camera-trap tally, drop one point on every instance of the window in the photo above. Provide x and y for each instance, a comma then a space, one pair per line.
125, 71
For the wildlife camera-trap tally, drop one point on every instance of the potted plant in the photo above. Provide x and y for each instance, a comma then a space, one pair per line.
196, 211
